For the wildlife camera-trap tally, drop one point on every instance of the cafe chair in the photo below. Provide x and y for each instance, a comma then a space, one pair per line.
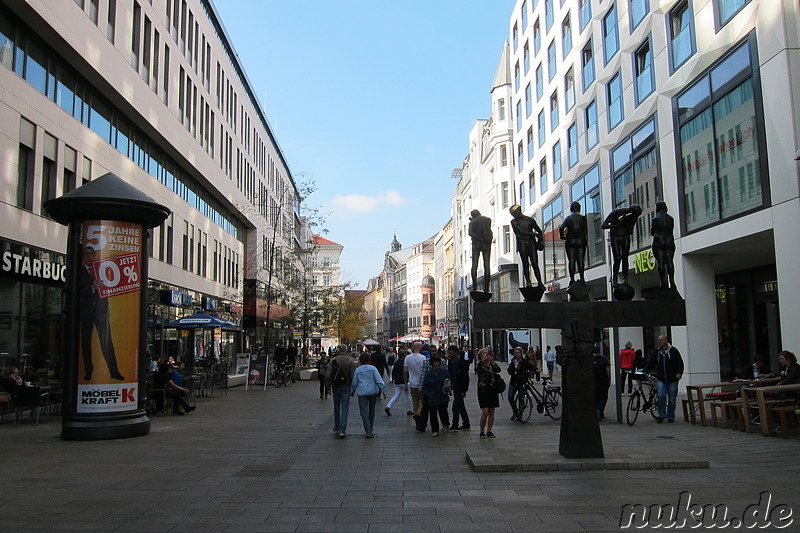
5, 405
27, 398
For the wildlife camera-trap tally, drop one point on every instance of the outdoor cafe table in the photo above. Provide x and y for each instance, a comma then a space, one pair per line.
761, 400
697, 398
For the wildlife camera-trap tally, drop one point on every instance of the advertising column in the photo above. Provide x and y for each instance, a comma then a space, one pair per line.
110, 302
105, 302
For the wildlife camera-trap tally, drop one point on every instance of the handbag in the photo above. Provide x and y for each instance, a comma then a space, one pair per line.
499, 384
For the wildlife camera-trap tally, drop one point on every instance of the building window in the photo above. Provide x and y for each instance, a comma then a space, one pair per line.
504, 194
552, 62
587, 64
522, 194
524, 10
585, 12
569, 90
520, 155
501, 109
541, 127
554, 111
528, 102
636, 178
506, 239
556, 161
592, 130
503, 155
566, 37
681, 34
519, 115
543, 182
643, 71
111, 20
526, 59
726, 9
639, 10
586, 191
516, 76
721, 143
610, 36
572, 145
530, 143
539, 82
548, 14
537, 38
616, 111
555, 265
532, 186
515, 37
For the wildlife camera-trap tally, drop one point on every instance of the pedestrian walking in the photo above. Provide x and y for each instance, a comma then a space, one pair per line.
322, 370
400, 386
458, 368
626, 361
368, 385
669, 369
436, 395
602, 380
338, 378
550, 361
488, 389
412, 372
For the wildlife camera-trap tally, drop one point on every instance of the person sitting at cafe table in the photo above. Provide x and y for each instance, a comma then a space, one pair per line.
790, 370
174, 389
13, 382
749, 371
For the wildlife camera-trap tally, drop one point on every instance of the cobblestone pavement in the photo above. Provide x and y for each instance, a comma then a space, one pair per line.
268, 461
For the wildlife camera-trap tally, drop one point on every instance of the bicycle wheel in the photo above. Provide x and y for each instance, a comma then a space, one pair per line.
524, 407
279, 379
653, 400
634, 402
552, 404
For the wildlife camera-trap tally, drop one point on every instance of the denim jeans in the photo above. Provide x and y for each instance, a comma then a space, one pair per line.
551, 366
512, 398
366, 406
341, 407
667, 392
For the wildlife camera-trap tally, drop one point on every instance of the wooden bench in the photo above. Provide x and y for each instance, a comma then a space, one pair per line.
784, 414
724, 406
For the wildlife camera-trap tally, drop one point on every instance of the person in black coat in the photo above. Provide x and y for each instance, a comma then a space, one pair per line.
378, 359
458, 367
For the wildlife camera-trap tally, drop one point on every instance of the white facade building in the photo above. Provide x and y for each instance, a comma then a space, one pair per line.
690, 102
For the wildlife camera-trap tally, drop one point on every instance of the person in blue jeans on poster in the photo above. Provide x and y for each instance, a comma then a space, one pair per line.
368, 385
669, 370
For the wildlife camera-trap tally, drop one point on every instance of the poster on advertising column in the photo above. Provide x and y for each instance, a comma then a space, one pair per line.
110, 311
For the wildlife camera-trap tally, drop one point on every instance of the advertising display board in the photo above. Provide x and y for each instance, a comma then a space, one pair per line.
257, 370
518, 337
110, 306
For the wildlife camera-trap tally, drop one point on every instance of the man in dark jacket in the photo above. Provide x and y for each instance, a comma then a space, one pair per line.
378, 360
669, 370
458, 367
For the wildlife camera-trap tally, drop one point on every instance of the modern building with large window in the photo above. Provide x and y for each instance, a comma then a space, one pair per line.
689, 102
153, 91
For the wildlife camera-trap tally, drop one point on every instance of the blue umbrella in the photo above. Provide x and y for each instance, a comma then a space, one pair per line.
202, 320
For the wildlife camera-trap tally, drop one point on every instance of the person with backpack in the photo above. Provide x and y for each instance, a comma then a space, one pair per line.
322, 369
338, 378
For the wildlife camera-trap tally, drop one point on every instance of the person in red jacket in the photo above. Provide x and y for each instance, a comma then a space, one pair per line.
626, 365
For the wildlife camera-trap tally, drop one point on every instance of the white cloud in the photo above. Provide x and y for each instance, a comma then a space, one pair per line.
366, 204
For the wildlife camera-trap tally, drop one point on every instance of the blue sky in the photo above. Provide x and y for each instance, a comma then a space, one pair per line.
374, 102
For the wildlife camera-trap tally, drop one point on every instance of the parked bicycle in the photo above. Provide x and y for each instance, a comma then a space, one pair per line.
643, 398
548, 400
281, 375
